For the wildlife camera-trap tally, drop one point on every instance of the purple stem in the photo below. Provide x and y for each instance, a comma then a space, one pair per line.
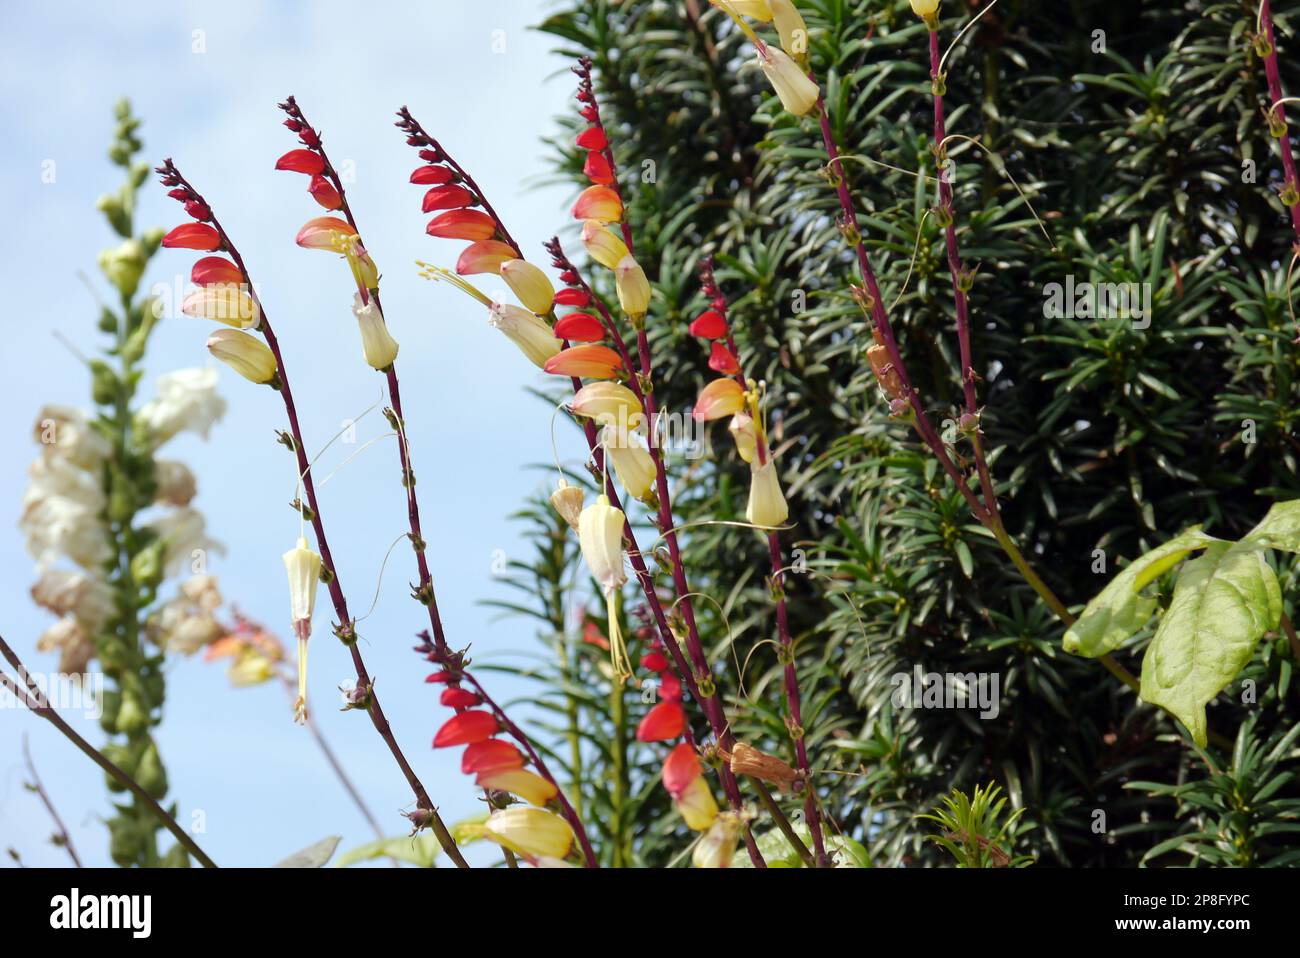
426, 591
345, 628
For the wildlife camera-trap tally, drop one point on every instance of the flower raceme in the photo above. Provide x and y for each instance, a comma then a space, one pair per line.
303, 567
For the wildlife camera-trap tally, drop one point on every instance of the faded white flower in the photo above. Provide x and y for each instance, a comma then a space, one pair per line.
61, 515
76, 648
66, 593
184, 537
186, 623
64, 431
187, 401
176, 483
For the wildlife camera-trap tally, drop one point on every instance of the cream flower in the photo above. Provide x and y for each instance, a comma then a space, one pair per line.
184, 537
63, 431
187, 401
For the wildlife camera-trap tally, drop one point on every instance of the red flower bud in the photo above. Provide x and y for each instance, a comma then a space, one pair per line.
490, 755
597, 169
466, 728
664, 722
193, 236
432, 175
309, 137
572, 297
180, 193
670, 687
589, 113
324, 193
438, 677
721, 360
709, 325
458, 698
580, 328
301, 161
680, 769
198, 210
212, 270
447, 197
293, 125
654, 661
433, 156
592, 138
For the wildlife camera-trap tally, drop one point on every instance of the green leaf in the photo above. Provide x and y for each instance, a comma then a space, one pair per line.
313, 856
419, 850
1223, 603
1280, 529
1119, 610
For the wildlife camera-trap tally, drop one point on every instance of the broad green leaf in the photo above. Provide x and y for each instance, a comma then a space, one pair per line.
1223, 602
1280, 529
418, 850
1120, 610
313, 856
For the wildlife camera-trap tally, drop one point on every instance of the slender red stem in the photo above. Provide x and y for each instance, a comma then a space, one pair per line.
958, 275
345, 628
1278, 109
425, 592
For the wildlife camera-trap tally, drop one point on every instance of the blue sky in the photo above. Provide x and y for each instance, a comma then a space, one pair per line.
488, 87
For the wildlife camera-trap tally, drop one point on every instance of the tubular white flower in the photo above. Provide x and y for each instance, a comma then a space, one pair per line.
798, 94
767, 505
303, 567
532, 335
600, 534
633, 464
187, 401
378, 347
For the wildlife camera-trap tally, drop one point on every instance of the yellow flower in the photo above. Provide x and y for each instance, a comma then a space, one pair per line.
224, 303
925, 9
633, 464
530, 832
532, 335
759, 10
791, 28
742, 430
378, 347
609, 404
567, 501
766, 503
303, 566
600, 534
632, 287
797, 92
530, 284
529, 786
696, 805
602, 245
245, 354
717, 847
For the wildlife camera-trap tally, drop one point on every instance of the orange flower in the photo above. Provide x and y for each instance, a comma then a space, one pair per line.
722, 360
213, 270
580, 328
325, 232
466, 728
485, 256
301, 161
598, 203
587, 361
529, 786
722, 397
663, 723
449, 196
489, 755
193, 236
323, 192
462, 224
